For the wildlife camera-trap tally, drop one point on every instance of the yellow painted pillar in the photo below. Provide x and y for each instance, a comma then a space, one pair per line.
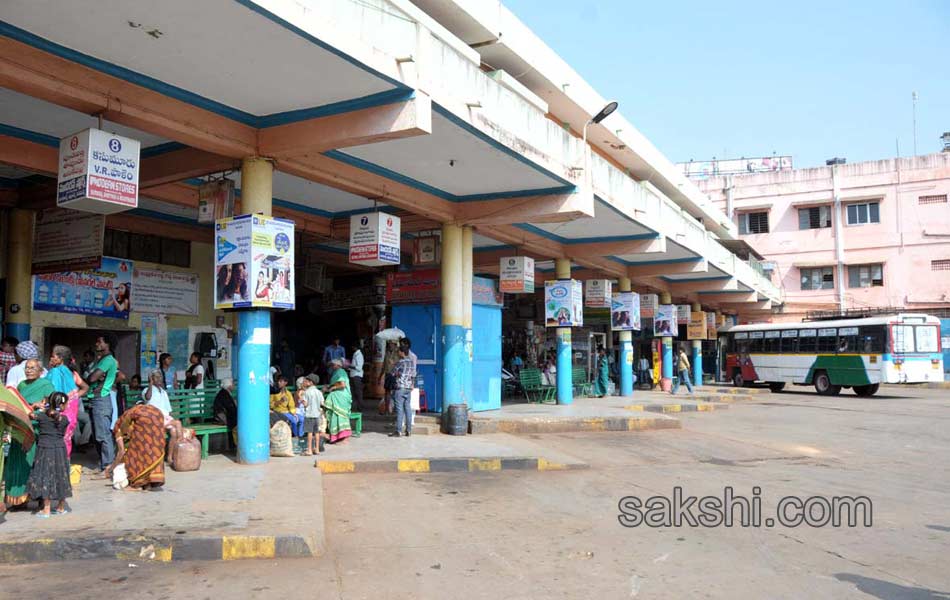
666, 382
565, 367
626, 350
453, 317
253, 334
467, 275
19, 264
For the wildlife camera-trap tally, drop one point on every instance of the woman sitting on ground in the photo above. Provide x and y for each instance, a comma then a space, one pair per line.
140, 442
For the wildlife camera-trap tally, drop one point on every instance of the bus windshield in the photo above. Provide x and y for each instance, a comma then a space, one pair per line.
914, 338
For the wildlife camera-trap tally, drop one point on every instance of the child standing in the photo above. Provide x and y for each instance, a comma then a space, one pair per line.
315, 423
49, 478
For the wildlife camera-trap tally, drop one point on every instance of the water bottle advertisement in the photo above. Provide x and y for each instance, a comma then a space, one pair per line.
103, 292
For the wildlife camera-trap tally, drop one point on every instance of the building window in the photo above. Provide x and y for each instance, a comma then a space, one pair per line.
146, 248
821, 278
864, 213
754, 222
937, 199
815, 217
862, 276
940, 265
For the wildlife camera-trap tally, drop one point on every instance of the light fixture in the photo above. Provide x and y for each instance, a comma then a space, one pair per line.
604, 112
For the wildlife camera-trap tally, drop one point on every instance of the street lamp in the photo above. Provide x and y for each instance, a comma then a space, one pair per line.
600, 116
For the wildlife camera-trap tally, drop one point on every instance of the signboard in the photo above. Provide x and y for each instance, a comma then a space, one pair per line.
98, 172
625, 311
516, 274
597, 293
648, 304
485, 293
103, 292
215, 200
682, 314
426, 250
696, 329
254, 262
149, 346
374, 239
421, 286
664, 323
711, 325
704, 169
368, 295
563, 303
165, 292
67, 240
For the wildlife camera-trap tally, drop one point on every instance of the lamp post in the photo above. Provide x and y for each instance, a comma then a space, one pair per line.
600, 116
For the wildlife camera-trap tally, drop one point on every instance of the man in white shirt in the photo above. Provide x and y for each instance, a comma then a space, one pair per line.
356, 377
24, 351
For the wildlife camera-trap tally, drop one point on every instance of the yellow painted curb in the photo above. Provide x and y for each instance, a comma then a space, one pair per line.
247, 546
163, 554
491, 464
639, 423
336, 466
413, 466
705, 407
672, 408
637, 407
596, 424
546, 465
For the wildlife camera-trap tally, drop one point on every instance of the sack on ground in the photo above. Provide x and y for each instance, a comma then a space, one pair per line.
280, 440
120, 479
186, 454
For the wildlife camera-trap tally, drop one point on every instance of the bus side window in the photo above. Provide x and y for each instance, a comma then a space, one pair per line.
827, 342
871, 339
807, 341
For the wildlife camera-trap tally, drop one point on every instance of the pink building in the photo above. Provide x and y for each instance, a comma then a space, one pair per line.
869, 234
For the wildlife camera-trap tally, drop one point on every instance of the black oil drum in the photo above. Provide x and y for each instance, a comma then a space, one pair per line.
456, 420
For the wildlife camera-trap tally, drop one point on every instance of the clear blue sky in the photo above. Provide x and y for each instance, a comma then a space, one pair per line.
729, 79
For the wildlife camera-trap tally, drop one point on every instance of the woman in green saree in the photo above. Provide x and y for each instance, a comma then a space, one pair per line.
17, 467
338, 403
15, 428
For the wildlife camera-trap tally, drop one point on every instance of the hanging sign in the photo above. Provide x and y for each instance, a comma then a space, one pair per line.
98, 172
597, 293
648, 304
682, 314
374, 239
516, 274
563, 303
254, 262
426, 250
67, 240
696, 328
103, 292
664, 323
215, 200
711, 328
165, 292
625, 311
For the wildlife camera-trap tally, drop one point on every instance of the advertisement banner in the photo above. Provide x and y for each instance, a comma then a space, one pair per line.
254, 262
420, 286
682, 314
563, 303
67, 240
597, 293
148, 355
375, 239
215, 200
485, 293
711, 326
103, 292
516, 274
98, 172
165, 292
232, 262
664, 323
696, 329
426, 250
625, 311
648, 304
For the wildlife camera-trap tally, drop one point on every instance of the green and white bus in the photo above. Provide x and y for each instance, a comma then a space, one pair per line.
845, 353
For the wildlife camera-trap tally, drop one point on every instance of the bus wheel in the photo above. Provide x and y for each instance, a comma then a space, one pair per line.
866, 391
823, 385
777, 386
737, 379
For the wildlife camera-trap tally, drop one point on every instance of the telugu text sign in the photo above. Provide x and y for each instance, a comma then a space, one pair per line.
98, 172
165, 292
67, 240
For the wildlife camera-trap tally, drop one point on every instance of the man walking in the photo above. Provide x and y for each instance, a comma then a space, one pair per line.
101, 382
405, 376
682, 371
356, 377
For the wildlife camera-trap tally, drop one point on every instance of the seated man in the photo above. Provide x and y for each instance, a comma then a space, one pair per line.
225, 409
157, 396
283, 404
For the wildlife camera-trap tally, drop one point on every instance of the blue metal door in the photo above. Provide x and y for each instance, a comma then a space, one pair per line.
486, 365
422, 323
945, 339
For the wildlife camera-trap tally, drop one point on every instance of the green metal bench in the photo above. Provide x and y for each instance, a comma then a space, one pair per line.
534, 388
582, 386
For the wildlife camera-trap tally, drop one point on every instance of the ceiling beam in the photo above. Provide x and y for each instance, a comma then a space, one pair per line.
730, 298
542, 208
178, 165
700, 265
148, 226
687, 286
655, 245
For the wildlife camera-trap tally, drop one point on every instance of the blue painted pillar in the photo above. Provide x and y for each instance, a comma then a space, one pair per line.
453, 332
467, 276
19, 257
666, 381
626, 351
253, 363
565, 367
697, 360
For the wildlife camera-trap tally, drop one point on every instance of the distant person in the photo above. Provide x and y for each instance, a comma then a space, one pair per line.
405, 376
7, 356
356, 376
602, 373
195, 375
102, 400
287, 359
334, 352
682, 371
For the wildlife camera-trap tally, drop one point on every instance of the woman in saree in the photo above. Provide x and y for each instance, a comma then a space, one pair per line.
140, 443
338, 403
602, 372
19, 463
16, 433
64, 380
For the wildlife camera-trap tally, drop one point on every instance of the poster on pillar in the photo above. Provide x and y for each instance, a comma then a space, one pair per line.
682, 314
597, 293
516, 275
98, 172
375, 239
696, 329
711, 325
648, 304
254, 262
625, 311
102, 292
563, 303
664, 323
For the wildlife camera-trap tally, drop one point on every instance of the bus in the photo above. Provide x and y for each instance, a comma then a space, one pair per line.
858, 353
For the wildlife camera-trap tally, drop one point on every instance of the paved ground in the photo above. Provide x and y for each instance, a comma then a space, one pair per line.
557, 535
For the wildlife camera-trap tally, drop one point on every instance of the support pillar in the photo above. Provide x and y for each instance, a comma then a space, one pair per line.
666, 382
19, 266
254, 334
467, 274
453, 330
697, 361
565, 368
718, 372
626, 351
